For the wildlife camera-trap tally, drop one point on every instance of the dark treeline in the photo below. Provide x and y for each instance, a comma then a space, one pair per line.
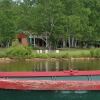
67, 23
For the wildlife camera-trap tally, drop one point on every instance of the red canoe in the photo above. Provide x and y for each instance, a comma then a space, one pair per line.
61, 80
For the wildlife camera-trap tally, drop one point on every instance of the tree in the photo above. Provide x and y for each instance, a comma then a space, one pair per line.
48, 17
76, 20
72, 22
7, 25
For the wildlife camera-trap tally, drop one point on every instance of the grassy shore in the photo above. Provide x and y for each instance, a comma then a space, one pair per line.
63, 54
68, 53
26, 52
3, 52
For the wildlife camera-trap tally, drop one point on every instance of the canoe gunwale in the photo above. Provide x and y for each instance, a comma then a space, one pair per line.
50, 73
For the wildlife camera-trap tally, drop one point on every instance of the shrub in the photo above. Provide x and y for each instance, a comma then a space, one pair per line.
19, 51
95, 53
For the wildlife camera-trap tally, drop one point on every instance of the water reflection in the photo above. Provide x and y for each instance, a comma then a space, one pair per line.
50, 66
56, 65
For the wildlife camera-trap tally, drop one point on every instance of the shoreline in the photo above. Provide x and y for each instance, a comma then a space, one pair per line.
66, 59
8, 60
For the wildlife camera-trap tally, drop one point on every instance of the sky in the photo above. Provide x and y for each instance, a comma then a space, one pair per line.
18, 0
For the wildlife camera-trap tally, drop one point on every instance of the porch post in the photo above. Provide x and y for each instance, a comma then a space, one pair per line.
30, 39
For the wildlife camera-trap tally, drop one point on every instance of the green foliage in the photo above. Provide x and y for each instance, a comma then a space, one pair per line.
7, 24
59, 55
3, 55
50, 55
95, 53
63, 54
34, 55
19, 51
59, 19
26, 52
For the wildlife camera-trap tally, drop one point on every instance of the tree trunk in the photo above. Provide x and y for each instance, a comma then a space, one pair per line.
8, 44
75, 44
69, 42
72, 42
64, 43
49, 45
46, 42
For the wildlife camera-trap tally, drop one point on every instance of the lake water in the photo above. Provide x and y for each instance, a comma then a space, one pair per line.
56, 65
53, 65
49, 95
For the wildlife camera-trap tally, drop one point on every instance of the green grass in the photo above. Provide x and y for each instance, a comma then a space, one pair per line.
64, 54
68, 53
78, 53
3, 52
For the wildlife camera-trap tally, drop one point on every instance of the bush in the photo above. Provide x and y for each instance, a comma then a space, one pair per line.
95, 53
19, 51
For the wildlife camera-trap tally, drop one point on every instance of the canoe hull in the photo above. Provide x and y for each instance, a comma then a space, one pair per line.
48, 85
58, 80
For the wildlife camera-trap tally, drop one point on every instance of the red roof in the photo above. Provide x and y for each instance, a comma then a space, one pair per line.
21, 35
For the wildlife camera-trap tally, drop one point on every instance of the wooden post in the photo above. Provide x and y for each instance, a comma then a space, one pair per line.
57, 51
38, 51
46, 51
41, 51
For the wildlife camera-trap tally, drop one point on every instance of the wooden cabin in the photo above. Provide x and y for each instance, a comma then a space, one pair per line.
23, 39
32, 39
